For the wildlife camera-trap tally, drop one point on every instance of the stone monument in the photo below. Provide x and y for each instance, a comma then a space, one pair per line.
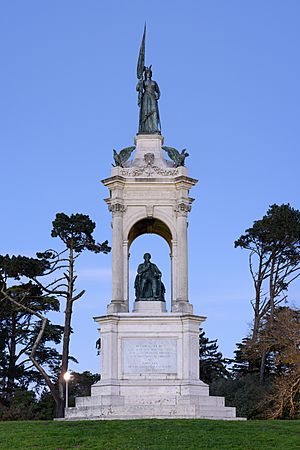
150, 356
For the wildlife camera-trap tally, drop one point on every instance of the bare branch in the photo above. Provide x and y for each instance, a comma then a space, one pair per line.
54, 282
47, 290
39, 337
78, 296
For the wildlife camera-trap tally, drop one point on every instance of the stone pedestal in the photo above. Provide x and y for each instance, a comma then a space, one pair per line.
150, 368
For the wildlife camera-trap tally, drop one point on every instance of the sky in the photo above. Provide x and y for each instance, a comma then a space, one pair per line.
229, 76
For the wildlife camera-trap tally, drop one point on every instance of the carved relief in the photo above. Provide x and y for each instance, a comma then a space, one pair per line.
149, 209
149, 169
149, 158
117, 208
183, 208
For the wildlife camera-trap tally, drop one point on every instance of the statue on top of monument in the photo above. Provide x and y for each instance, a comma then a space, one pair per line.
177, 158
148, 95
122, 157
148, 285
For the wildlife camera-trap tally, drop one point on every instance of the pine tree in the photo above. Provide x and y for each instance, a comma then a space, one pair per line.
212, 363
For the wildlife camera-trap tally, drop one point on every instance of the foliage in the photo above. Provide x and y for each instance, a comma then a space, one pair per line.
22, 406
273, 243
80, 385
18, 332
279, 340
212, 363
274, 258
150, 435
245, 393
27, 405
75, 232
17, 266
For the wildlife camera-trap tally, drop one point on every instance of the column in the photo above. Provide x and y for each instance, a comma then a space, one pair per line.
182, 258
174, 289
126, 274
118, 298
182, 304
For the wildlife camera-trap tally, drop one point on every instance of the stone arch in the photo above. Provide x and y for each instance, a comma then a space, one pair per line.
150, 225
162, 224
141, 224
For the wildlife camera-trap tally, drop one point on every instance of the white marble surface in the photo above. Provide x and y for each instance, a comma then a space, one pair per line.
152, 190
149, 307
149, 355
150, 368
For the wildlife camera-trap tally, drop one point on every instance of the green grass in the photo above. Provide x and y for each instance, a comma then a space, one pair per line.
150, 434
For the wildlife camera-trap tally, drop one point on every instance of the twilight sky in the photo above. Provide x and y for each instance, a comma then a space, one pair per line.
229, 76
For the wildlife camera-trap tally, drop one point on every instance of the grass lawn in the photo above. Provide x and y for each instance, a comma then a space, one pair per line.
150, 434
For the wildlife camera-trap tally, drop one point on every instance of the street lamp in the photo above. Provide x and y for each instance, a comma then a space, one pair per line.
67, 377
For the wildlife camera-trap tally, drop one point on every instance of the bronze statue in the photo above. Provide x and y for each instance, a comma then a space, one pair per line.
148, 95
148, 285
123, 156
175, 156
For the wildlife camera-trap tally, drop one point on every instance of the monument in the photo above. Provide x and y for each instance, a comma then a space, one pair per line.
149, 356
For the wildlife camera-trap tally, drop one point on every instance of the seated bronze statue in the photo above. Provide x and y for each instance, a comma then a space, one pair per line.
148, 285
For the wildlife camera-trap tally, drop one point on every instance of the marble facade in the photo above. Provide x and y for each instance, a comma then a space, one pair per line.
149, 357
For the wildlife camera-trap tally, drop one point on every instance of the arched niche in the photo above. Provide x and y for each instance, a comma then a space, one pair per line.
160, 255
150, 226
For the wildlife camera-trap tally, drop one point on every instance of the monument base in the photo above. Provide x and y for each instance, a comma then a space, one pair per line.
150, 369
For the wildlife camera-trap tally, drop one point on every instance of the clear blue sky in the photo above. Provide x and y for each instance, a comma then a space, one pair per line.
229, 75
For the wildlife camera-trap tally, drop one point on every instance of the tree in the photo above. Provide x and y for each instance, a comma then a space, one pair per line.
80, 384
274, 258
18, 332
278, 393
273, 243
245, 393
76, 234
212, 363
245, 361
280, 340
21, 307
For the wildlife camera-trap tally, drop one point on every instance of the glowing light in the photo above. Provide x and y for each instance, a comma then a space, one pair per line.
67, 376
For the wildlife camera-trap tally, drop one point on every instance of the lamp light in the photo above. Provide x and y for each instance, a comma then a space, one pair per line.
67, 377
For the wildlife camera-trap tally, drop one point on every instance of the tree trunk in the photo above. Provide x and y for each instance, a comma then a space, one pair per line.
262, 367
272, 287
270, 318
257, 306
12, 360
60, 407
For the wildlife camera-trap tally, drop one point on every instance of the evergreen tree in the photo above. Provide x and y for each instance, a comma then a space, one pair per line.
18, 332
273, 243
80, 385
76, 235
212, 363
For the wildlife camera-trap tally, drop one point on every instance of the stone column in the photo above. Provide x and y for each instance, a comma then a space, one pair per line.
173, 274
126, 274
118, 303
182, 303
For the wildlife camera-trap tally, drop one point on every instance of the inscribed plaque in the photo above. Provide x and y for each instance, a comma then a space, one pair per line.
149, 355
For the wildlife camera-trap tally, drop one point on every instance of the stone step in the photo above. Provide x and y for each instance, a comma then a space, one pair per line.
106, 400
151, 400
133, 409
227, 411
149, 411
202, 400
99, 400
